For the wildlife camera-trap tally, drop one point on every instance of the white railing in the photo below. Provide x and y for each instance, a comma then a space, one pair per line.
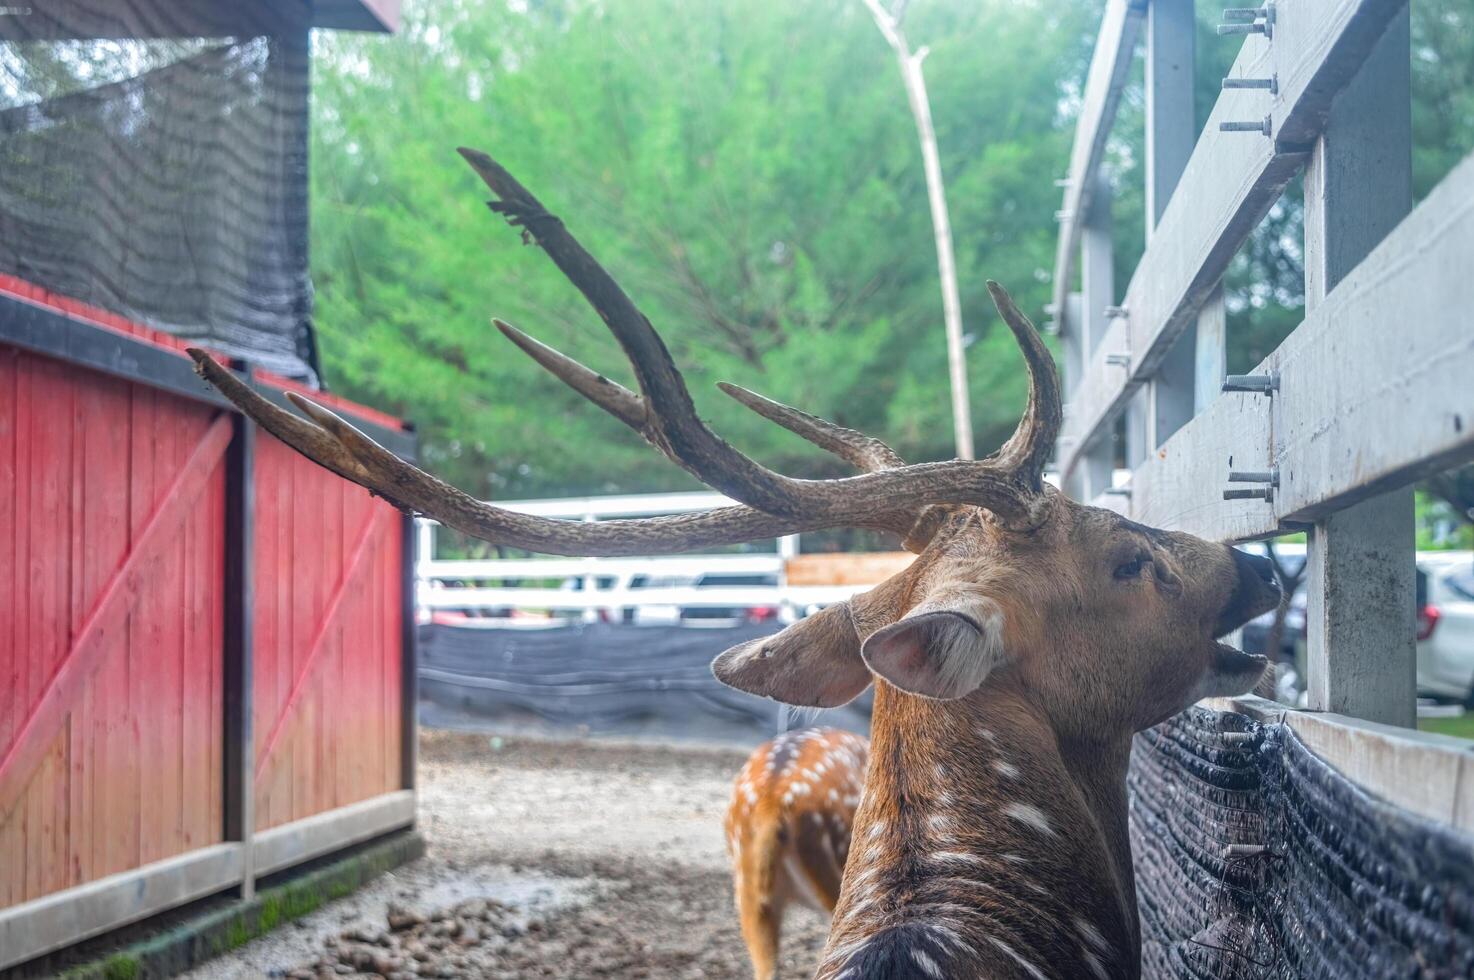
521, 584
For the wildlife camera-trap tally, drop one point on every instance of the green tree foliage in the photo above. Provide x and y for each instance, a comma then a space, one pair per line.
748, 171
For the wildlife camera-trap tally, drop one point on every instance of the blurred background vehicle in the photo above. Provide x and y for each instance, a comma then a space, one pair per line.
1445, 625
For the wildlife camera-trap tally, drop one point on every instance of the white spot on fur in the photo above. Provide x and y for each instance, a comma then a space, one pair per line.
1096, 966
928, 965
1027, 813
939, 821
955, 856
876, 829
1029, 968
1006, 768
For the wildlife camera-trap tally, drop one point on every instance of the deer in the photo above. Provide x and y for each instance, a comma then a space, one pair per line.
788, 831
1013, 659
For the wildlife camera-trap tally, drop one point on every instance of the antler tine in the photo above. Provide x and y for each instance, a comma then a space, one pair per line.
611, 396
865, 453
671, 422
340, 447
1027, 451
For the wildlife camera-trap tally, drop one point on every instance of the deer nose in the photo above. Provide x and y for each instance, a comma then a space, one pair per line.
1261, 567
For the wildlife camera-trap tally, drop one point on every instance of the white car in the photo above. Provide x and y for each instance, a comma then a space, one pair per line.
1446, 625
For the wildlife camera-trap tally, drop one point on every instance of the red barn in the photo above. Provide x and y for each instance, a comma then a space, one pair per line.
206, 642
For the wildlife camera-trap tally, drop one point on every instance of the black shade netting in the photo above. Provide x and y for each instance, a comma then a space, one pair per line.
603, 676
1347, 886
153, 162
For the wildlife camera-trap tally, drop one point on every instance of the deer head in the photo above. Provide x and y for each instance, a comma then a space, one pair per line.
1064, 627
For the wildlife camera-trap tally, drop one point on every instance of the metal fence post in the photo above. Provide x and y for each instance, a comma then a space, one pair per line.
239, 787
1360, 615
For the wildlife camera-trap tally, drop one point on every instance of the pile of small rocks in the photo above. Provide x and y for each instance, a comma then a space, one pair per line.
465, 940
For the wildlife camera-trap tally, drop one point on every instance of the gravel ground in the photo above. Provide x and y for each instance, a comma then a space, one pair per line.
547, 858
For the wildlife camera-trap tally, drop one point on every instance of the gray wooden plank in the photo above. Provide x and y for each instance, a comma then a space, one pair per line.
1104, 82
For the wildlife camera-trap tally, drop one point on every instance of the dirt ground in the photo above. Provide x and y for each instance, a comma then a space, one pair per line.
547, 858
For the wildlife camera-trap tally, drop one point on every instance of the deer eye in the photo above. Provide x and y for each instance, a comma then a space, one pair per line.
1132, 569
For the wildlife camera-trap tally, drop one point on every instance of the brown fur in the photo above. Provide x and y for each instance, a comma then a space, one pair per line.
788, 830
992, 838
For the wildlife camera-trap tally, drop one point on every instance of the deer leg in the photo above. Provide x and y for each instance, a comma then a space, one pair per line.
760, 898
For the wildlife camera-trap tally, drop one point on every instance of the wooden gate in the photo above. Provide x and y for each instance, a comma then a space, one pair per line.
206, 662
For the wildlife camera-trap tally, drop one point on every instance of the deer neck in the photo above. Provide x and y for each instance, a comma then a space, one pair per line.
985, 846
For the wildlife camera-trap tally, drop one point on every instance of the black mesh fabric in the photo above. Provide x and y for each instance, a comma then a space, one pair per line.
153, 162
1348, 885
600, 675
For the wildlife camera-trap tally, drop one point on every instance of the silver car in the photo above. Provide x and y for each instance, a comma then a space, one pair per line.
1446, 625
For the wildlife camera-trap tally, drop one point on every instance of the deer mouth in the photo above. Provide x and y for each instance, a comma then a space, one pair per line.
1230, 661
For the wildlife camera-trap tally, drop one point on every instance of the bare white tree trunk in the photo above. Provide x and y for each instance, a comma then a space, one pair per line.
911, 76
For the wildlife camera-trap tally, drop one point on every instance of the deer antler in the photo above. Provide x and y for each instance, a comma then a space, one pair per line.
888, 494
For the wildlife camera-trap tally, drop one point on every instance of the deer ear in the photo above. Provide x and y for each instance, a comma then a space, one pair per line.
814, 663
941, 649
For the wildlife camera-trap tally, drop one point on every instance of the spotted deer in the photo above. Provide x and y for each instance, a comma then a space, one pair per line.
1012, 660
788, 830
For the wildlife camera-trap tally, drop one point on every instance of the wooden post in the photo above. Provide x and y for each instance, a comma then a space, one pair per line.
1171, 132
1097, 291
240, 539
409, 662
1361, 579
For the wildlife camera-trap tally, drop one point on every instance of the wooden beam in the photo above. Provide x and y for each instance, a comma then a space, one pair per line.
1110, 65
409, 654
108, 618
1426, 774
63, 918
323, 833
1230, 182
1361, 652
239, 799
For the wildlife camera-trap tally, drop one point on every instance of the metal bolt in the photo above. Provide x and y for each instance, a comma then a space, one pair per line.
1271, 84
1243, 29
1243, 851
1238, 738
1111, 312
1063, 215
1244, 13
1254, 493
1117, 491
1123, 360
1270, 476
1064, 182
1263, 126
1263, 384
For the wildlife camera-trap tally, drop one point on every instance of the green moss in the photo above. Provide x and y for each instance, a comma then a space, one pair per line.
120, 966
237, 934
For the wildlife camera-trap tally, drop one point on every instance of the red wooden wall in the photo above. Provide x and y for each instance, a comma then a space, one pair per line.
327, 639
113, 503
84, 460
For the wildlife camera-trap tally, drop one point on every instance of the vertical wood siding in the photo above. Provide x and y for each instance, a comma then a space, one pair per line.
327, 639
134, 774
